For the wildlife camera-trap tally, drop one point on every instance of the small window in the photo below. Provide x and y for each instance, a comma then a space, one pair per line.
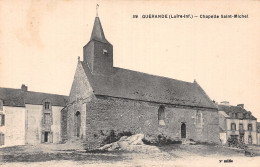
47, 105
2, 120
2, 139
240, 115
250, 127
241, 127
233, 126
105, 52
161, 115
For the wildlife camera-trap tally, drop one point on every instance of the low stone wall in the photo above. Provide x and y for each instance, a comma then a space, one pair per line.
106, 114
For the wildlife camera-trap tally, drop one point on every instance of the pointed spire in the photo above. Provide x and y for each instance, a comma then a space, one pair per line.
97, 32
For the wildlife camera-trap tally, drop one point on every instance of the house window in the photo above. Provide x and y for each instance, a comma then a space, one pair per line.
240, 115
233, 126
161, 115
2, 139
250, 141
250, 127
46, 105
47, 118
1, 105
2, 120
241, 127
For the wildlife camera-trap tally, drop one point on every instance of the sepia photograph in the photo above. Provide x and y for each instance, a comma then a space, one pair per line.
129, 83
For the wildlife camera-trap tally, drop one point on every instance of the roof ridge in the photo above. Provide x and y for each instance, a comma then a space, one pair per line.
47, 93
154, 75
32, 91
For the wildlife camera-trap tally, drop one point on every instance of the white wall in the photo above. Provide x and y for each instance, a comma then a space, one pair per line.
33, 123
14, 128
56, 126
223, 138
258, 138
245, 123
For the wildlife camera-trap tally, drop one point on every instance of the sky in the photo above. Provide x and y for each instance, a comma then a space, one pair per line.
40, 42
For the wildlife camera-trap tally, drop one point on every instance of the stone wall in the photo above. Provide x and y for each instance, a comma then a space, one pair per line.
80, 93
98, 62
104, 114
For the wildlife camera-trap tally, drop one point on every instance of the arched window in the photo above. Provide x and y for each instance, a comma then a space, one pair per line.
233, 126
161, 115
183, 130
78, 123
198, 118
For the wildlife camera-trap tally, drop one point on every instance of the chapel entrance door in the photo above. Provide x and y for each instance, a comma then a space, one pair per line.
46, 136
78, 123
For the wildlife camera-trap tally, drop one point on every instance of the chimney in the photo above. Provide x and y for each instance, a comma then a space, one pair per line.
241, 105
224, 103
24, 88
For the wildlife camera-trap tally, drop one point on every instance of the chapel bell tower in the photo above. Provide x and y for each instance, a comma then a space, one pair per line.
98, 52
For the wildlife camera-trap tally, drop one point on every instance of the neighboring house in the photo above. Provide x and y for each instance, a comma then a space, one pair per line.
105, 100
30, 117
237, 123
258, 132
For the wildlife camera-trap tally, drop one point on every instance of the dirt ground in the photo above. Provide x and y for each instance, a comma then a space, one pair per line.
170, 155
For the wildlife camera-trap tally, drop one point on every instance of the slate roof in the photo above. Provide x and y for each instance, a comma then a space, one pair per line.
230, 108
233, 109
97, 32
140, 86
224, 114
18, 98
12, 97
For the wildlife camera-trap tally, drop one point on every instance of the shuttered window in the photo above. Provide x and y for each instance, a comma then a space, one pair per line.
233, 126
249, 127
47, 105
